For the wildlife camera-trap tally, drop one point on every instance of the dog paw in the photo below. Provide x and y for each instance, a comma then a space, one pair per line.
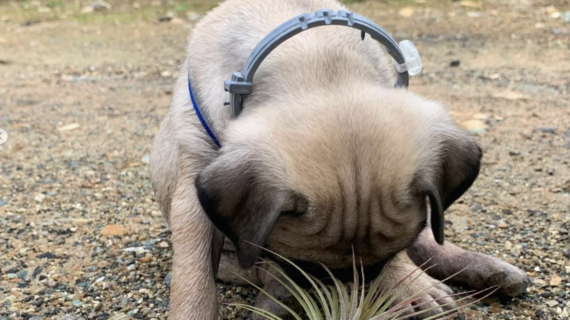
417, 294
511, 281
425, 297
276, 290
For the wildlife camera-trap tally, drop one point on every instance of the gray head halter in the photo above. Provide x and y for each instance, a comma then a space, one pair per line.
405, 55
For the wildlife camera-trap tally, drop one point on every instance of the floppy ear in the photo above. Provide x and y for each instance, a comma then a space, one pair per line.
240, 195
460, 162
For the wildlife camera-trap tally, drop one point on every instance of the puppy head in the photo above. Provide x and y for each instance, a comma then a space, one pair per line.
317, 179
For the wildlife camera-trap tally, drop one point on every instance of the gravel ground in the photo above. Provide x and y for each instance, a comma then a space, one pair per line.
82, 95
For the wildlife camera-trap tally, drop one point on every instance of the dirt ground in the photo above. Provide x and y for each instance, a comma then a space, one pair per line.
82, 95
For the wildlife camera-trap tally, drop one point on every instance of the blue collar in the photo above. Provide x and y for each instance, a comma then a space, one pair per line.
200, 116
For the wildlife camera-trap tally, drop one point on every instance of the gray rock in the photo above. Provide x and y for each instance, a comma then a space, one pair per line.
96, 6
168, 279
550, 130
476, 207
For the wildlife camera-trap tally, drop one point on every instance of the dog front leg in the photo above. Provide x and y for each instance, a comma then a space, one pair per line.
264, 275
480, 271
193, 294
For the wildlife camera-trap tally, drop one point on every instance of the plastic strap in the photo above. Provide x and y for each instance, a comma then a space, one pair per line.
241, 82
203, 121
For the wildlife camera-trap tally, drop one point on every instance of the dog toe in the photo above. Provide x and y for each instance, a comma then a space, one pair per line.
512, 282
516, 286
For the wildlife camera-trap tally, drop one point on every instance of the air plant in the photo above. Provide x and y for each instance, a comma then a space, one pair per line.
356, 300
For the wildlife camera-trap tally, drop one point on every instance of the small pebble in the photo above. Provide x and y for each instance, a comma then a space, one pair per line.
555, 281
163, 244
539, 282
550, 130
552, 303
92, 268
40, 197
47, 255
168, 279
36, 272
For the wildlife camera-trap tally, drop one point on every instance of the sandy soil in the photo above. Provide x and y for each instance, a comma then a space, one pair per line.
82, 95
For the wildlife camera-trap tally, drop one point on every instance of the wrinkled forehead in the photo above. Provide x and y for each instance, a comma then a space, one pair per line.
338, 147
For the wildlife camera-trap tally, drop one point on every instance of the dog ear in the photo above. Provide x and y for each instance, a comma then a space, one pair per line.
240, 194
460, 161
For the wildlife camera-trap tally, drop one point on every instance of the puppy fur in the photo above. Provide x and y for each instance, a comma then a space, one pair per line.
327, 156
